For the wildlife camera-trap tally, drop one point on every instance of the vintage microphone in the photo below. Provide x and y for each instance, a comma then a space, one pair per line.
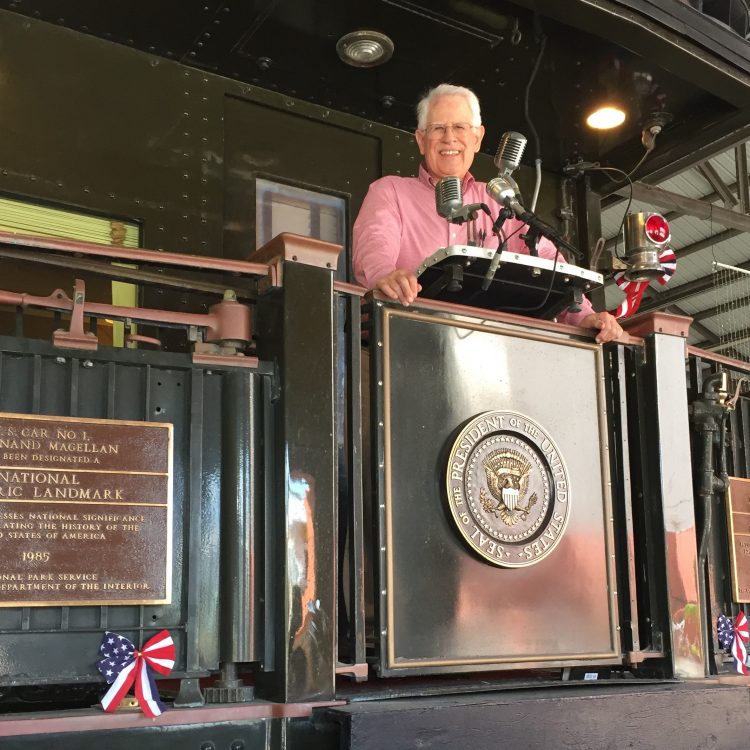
509, 153
449, 201
507, 159
449, 198
504, 190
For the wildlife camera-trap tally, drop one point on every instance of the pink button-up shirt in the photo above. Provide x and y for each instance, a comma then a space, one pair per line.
398, 227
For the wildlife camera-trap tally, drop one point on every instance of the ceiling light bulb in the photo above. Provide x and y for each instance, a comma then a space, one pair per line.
605, 118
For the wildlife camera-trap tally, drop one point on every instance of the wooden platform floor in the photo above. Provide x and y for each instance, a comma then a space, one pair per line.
702, 715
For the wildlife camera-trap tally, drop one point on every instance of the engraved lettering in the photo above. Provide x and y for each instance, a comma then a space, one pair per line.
508, 489
84, 511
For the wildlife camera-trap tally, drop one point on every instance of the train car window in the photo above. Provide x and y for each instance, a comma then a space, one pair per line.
282, 207
33, 219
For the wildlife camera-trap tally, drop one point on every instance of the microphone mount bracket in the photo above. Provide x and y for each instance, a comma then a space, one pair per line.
538, 228
467, 213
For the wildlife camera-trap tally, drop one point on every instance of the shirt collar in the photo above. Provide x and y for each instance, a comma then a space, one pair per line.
427, 179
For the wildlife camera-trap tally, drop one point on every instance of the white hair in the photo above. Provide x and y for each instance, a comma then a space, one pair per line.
448, 89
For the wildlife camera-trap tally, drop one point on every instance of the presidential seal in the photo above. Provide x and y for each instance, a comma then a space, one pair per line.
508, 489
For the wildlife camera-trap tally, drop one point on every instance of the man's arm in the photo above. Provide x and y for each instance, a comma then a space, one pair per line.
609, 328
377, 242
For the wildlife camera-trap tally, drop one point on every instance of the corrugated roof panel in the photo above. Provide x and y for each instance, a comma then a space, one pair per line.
688, 229
724, 165
731, 322
710, 298
691, 184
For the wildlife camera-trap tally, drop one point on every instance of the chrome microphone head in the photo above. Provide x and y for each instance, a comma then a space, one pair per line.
509, 152
448, 197
500, 188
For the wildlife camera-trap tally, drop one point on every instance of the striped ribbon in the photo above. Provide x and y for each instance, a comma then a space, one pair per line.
734, 638
634, 290
124, 666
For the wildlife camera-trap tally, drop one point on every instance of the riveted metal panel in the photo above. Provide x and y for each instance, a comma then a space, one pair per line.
60, 644
432, 377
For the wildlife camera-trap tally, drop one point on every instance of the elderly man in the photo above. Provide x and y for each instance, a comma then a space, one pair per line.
398, 226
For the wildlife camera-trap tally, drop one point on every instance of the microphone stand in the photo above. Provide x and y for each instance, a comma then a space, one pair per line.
471, 229
453, 273
531, 238
538, 228
505, 213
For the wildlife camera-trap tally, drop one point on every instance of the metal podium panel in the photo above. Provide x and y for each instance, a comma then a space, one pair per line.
495, 526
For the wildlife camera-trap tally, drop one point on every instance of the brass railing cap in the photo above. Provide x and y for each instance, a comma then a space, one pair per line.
657, 322
296, 248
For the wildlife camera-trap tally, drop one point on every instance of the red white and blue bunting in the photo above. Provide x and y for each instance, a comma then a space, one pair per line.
634, 290
734, 638
123, 665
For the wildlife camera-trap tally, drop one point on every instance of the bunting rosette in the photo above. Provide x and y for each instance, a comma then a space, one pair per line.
634, 290
123, 665
734, 638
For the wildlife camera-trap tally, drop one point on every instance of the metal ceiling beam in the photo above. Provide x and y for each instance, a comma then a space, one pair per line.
742, 185
708, 198
739, 304
672, 36
707, 143
690, 206
708, 171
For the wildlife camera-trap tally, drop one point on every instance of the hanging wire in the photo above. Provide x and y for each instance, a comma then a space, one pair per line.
597, 253
527, 117
626, 176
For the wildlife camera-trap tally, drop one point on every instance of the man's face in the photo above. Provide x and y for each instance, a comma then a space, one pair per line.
449, 151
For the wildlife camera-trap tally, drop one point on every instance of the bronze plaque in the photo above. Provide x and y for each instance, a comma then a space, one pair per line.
738, 521
85, 511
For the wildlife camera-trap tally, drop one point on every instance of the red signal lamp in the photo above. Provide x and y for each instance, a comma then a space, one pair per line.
657, 229
645, 237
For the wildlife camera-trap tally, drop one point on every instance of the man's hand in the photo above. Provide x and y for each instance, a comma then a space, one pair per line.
400, 285
609, 328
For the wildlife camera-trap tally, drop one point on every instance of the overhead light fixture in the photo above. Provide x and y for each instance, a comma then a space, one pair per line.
606, 117
364, 49
652, 126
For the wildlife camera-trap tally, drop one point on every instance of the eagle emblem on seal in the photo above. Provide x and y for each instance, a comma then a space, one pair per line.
507, 473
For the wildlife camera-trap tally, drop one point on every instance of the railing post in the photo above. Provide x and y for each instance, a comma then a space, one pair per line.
295, 326
667, 427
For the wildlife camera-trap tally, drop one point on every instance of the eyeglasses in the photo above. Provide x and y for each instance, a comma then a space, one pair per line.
439, 129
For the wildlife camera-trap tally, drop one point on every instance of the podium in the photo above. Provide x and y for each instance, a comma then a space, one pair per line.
492, 502
524, 284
